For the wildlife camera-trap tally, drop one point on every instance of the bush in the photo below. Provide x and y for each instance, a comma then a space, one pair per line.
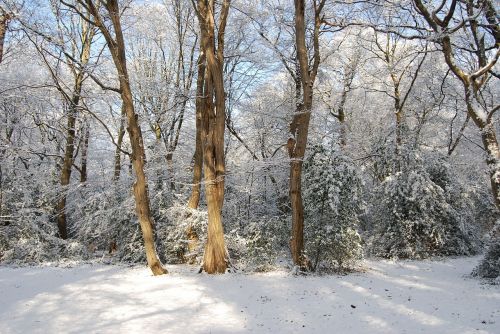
332, 196
417, 214
489, 267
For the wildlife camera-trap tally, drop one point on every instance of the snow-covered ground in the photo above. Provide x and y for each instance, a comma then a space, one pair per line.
390, 297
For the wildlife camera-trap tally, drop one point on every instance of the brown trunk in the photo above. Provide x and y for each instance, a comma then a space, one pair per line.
194, 200
213, 126
299, 127
84, 156
116, 46
119, 141
87, 36
67, 162
198, 153
343, 125
4, 22
297, 241
140, 186
170, 169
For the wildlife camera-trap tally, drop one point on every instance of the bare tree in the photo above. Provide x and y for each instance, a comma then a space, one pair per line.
113, 35
75, 53
212, 127
479, 20
337, 107
299, 126
194, 199
118, 149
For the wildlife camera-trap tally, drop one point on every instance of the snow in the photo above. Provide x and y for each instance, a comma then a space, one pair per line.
388, 297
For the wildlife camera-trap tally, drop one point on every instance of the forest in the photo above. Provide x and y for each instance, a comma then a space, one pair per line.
229, 166
250, 136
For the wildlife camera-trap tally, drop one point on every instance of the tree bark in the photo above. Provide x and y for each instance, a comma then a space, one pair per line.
119, 142
213, 125
84, 156
67, 164
4, 22
490, 142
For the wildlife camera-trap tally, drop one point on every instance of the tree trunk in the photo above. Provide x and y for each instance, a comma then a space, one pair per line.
194, 200
87, 35
488, 136
67, 162
170, 169
140, 186
299, 127
399, 113
297, 241
119, 141
116, 45
84, 156
472, 82
213, 126
493, 159
342, 121
4, 22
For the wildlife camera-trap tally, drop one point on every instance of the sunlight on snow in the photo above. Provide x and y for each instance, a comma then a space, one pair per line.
378, 323
422, 317
405, 282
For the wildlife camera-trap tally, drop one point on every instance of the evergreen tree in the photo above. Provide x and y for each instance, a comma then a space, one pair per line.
332, 201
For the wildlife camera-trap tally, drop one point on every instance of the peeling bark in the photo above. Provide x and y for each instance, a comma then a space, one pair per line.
213, 118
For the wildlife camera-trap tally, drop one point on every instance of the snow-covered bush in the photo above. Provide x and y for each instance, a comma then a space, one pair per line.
35, 242
416, 214
262, 243
104, 220
28, 230
181, 234
489, 267
108, 219
332, 197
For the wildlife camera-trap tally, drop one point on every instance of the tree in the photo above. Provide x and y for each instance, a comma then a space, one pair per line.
163, 72
333, 200
337, 107
213, 124
299, 126
471, 58
116, 45
5, 17
194, 199
482, 46
87, 35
